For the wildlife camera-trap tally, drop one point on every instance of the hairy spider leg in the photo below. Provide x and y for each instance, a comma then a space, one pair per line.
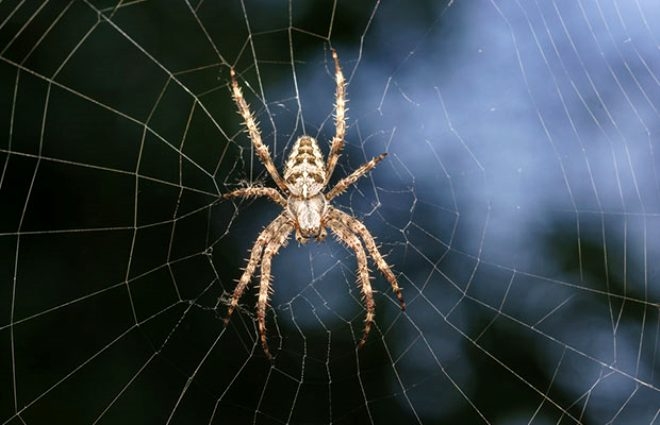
266, 235
361, 230
340, 119
256, 191
279, 240
345, 235
252, 128
349, 180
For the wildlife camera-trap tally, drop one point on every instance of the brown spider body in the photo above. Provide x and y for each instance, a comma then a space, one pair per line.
307, 209
304, 174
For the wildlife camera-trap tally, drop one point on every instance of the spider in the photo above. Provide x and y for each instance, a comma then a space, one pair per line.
307, 210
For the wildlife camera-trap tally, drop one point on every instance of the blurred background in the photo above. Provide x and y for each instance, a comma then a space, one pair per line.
519, 207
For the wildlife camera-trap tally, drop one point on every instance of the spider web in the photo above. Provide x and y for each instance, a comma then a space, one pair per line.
519, 207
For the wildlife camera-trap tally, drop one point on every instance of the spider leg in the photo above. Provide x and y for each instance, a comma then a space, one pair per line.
253, 130
264, 237
345, 235
340, 119
271, 250
347, 181
357, 227
248, 192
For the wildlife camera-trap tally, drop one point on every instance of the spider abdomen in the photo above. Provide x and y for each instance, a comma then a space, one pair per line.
304, 172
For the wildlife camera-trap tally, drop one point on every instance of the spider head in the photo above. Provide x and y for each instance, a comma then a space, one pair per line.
303, 238
307, 215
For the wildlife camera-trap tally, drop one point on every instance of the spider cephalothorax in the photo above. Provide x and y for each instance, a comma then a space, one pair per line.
307, 210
